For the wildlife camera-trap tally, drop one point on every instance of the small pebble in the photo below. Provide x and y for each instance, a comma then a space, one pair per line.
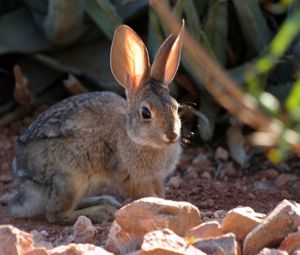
83, 230
175, 182
220, 214
221, 153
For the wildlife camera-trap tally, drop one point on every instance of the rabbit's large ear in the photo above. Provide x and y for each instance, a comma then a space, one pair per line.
129, 60
167, 58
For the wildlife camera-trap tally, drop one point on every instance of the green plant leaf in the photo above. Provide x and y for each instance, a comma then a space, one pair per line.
155, 33
255, 28
18, 33
293, 101
104, 14
216, 30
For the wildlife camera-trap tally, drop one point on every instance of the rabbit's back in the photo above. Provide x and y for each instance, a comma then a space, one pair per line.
73, 114
70, 138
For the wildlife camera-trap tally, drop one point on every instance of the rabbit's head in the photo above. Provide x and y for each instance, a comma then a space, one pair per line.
152, 113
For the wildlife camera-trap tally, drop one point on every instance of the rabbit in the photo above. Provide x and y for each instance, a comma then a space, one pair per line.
97, 138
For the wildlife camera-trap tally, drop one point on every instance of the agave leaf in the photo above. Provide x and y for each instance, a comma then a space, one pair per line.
255, 28
209, 109
104, 14
19, 34
92, 59
127, 9
216, 30
155, 33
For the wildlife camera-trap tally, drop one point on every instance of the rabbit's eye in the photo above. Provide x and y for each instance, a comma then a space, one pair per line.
146, 114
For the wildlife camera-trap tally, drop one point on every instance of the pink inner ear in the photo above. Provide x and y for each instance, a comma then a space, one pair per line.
129, 58
137, 60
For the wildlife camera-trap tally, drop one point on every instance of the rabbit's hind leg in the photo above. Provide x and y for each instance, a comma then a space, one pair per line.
97, 208
29, 199
98, 200
97, 213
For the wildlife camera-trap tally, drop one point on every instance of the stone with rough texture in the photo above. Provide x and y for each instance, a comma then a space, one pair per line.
166, 242
221, 245
291, 243
83, 230
79, 249
241, 221
136, 219
205, 230
267, 251
14, 241
284, 219
39, 240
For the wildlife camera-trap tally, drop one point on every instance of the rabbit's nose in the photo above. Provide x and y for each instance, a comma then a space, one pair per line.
171, 136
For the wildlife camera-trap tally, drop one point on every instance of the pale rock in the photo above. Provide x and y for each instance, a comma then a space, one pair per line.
297, 252
206, 175
205, 230
291, 243
14, 241
78, 249
283, 180
220, 214
166, 242
191, 172
241, 221
221, 153
136, 219
175, 182
283, 220
83, 230
221, 245
39, 251
39, 240
44, 233
267, 251
200, 161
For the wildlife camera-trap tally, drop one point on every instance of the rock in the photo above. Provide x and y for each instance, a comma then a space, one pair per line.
83, 230
270, 174
205, 230
14, 241
175, 182
206, 175
38, 251
283, 180
166, 242
221, 245
39, 240
5, 177
295, 190
284, 219
221, 153
136, 219
200, 162
241, 221
220, 214
191, 173
291, 243
267, 251
78, 249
